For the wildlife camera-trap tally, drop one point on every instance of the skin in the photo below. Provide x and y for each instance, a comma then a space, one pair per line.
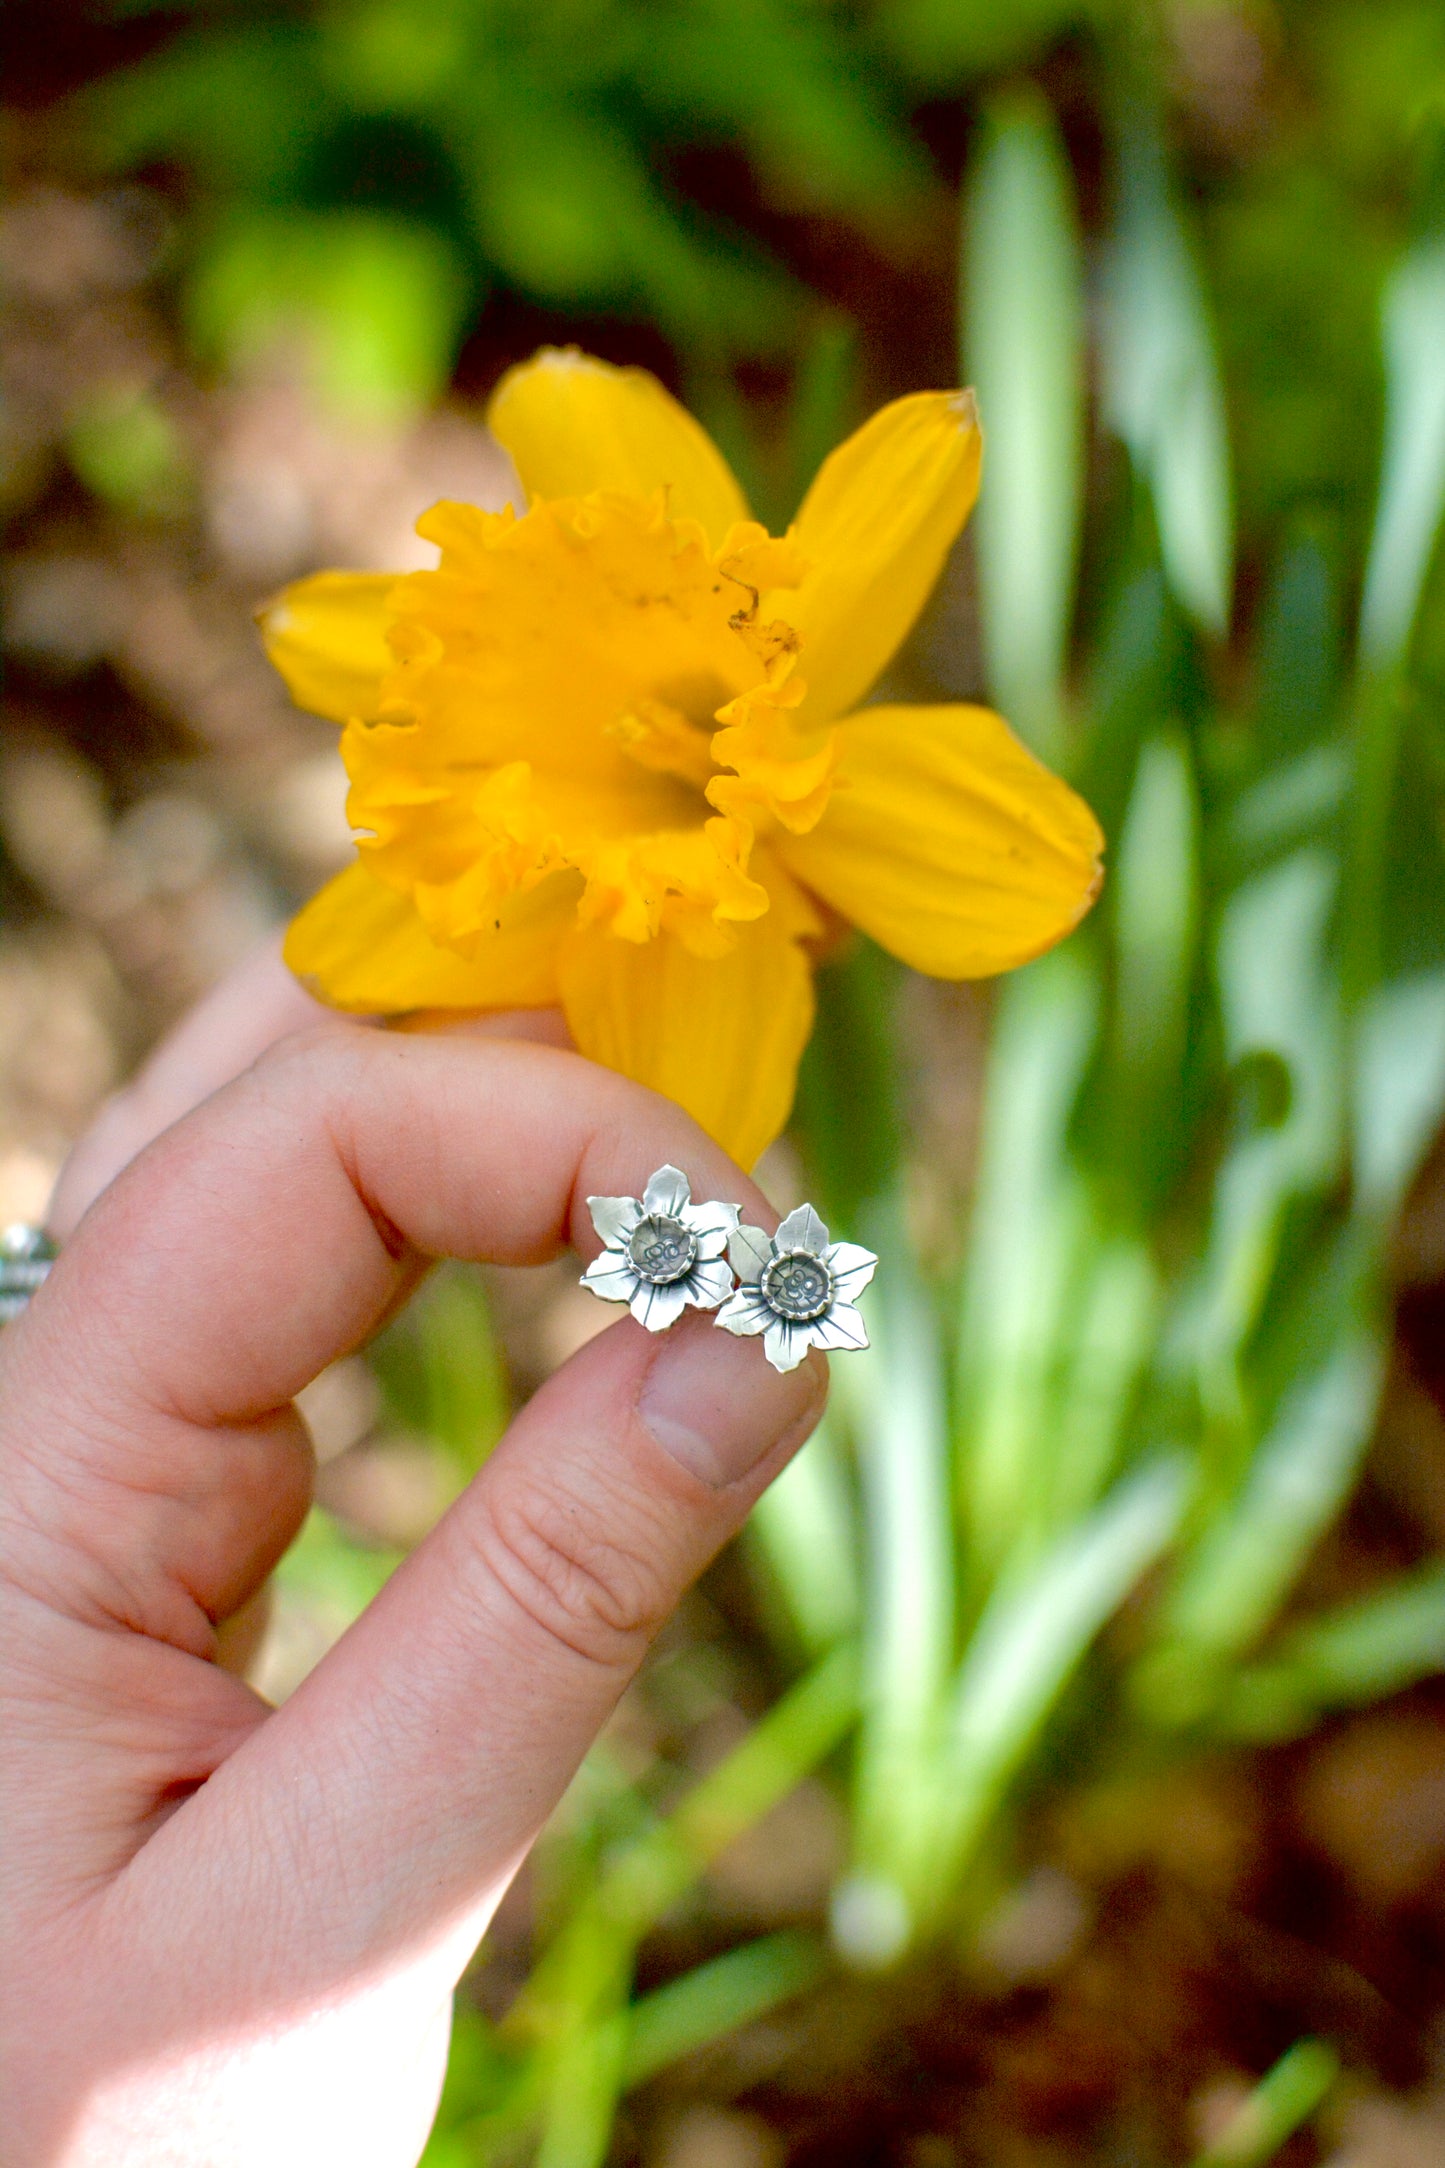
233, 1931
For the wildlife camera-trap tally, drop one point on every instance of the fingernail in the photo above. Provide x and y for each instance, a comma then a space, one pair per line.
716, 1405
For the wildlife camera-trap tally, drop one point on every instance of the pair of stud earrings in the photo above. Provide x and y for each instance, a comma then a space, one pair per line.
663, 1254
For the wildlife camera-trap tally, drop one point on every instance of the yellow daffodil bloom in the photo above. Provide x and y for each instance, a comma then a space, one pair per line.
610, 753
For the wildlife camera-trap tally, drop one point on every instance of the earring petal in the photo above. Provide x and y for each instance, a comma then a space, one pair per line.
785, 1345
710, 1220
852, 1268
610, 1278
666, 1193
750, 1252
744, 1314
614, 1217
802, 1230
658, 1307
841, 1328
709, 1284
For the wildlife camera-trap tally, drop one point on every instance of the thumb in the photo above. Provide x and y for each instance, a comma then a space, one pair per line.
403, 1783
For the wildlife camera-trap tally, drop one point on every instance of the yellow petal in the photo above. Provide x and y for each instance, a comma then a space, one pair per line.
875, 527
723, 1035
327, 637
360, 946
949, 843
572, 425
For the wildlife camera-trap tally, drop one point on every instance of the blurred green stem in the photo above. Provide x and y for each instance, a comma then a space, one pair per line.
1023, 321
895, 1401
1285, 2097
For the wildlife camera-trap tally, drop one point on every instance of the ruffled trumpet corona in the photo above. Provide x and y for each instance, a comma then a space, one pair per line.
611, 754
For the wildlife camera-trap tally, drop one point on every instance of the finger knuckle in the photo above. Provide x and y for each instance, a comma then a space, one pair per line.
601, 1594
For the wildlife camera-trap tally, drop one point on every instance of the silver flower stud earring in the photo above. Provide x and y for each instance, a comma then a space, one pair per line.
798, 1289
661, 1251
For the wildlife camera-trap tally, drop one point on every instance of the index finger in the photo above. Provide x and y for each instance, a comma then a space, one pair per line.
258, 1003
272, 1230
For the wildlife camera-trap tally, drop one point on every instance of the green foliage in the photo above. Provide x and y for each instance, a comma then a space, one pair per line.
852, 1061
126, 450
1024, 353
373, 303
501, 142
715, 1998
1153, 1378
550, 2076
1339, 1659
1162, 390
945, 42
1199, 1121
336, 1576
1284, 2099
441, 1369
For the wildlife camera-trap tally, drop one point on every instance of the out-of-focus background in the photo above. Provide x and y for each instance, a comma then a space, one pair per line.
1056, 1773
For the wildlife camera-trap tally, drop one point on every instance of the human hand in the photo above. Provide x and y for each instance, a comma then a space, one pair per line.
233, 1931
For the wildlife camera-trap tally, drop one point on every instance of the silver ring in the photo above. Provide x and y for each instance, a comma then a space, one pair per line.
26, 1255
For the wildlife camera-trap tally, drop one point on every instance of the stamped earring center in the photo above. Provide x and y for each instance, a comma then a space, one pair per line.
798, 1286
662, 1250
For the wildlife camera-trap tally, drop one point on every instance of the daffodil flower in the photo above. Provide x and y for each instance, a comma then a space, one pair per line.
797, 1288
610, 753
660, 1251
